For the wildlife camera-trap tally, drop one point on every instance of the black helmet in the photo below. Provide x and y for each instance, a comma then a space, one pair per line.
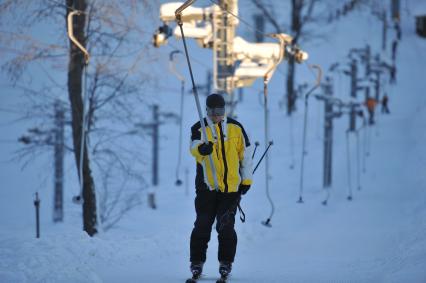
215, 105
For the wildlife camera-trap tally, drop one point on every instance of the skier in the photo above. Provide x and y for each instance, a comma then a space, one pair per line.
397, 28
371, 105
394, 49
385, 108
229, 146
392, 79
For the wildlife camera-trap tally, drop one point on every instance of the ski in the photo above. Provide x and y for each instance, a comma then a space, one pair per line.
222, 279
193, 279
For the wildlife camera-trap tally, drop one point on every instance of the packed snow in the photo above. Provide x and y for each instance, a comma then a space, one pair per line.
379, 236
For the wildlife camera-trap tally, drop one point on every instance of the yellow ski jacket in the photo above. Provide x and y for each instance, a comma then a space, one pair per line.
231, 155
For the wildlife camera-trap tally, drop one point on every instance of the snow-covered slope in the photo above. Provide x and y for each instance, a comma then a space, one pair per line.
380, 236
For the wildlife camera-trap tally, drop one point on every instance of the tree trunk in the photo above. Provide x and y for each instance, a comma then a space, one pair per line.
296, 28
75, 76
290, 86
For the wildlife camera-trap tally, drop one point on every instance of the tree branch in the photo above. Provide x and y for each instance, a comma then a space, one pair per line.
267, 14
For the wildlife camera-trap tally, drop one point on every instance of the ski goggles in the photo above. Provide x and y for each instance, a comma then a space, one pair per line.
220, 111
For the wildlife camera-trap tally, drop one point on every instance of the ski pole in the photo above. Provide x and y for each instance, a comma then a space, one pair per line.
178, 14
182, 91
78, 199
263, 155
317, 84
237, 203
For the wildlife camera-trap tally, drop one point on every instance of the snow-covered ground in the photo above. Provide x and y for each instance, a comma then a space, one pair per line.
379, 236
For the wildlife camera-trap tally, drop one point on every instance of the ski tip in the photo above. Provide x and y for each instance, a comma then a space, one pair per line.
193, 279
267, 223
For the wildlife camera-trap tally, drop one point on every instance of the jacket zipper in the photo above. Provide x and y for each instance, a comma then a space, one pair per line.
225, 165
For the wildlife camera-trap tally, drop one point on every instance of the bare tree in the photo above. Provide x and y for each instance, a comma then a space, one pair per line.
301, 15
33, 36
75, 77
305, 17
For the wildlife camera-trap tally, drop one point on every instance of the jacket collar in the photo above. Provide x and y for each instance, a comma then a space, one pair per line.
223, 124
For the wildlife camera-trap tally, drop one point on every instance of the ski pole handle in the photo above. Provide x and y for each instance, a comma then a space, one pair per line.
256, 144
72, 37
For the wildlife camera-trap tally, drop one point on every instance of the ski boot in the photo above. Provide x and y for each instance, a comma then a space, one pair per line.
224, 270
196, 270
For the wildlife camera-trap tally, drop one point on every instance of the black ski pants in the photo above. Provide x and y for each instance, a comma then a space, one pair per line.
211, 205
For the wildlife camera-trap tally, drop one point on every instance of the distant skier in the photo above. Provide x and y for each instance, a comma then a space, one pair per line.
385, 108
394, 50
392, 79
371, 105
397, 28
229, 146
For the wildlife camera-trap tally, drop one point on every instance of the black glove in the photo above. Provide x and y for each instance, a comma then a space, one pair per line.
205, 148
243, 189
